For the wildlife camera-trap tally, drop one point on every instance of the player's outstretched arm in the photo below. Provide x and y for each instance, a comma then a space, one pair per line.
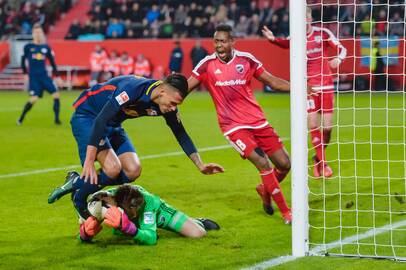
275, 83
281, 42
192, 83
174, 122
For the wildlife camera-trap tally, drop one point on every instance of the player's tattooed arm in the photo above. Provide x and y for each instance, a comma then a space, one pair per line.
275, 83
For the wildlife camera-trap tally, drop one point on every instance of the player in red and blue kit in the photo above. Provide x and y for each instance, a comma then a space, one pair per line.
96, 126
320, 102
36, 54
227, 75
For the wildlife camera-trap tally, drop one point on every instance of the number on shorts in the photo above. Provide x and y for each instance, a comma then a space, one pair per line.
240, 144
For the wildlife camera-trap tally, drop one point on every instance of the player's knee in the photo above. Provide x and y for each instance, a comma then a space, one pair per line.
34, 99
263, 164
112, 170
132, 173
284, 165
327, 129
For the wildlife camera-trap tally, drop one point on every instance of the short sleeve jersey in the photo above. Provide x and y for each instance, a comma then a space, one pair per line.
229, 86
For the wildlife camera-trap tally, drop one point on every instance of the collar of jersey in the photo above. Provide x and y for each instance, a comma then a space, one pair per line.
152, 87
231, 60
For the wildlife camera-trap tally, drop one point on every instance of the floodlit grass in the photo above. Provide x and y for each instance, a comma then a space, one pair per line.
35, 235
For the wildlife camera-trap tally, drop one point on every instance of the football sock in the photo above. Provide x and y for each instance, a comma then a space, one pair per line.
317, 144
56, 109
272, 186
27, 107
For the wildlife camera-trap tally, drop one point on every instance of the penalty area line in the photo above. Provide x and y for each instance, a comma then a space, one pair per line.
70, 167
315, 251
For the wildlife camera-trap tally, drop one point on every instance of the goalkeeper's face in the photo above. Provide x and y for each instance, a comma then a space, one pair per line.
130, 200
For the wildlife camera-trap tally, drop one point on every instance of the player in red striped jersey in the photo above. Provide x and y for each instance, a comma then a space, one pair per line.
227, 75
320, 77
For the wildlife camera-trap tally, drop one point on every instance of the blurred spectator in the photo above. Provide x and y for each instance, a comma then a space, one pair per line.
112, 65
396, 25
126, 64
265, 13
97, 61
241, 29
175, 19
197, 53
115, 29
142, 67
152, 14
74, 30
175, 62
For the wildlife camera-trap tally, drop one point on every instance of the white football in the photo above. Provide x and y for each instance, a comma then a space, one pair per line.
98, 209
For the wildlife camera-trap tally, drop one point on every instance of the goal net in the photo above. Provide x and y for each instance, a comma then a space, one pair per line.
360, 210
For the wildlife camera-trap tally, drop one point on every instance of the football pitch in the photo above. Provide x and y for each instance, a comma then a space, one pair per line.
36, 156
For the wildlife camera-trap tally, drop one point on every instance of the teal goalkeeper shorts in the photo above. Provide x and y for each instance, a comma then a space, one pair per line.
170, 219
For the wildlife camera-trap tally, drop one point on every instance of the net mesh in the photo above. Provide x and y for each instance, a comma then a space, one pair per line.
361, 209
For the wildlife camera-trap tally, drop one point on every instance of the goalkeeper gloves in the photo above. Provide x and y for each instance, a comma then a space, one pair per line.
119, 220
89, 228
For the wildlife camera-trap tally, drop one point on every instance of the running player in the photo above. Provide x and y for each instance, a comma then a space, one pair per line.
96, 126
320, 78
133, 211
227, 75
35, 54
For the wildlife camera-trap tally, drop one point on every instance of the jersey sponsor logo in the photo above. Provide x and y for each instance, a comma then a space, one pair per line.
231, 82
44, 50
149, 218
38, 56
218, 71
314, 50
239, 68
122, 98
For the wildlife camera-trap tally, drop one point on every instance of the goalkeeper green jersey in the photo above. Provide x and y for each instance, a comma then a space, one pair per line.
156, 213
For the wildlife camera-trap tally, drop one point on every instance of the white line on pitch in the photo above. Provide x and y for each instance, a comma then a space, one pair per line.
284, 259
169, 154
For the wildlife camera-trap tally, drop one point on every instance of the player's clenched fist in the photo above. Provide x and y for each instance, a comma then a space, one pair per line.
89, 228
119, 220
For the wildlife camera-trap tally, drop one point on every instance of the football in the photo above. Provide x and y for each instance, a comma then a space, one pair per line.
98, 209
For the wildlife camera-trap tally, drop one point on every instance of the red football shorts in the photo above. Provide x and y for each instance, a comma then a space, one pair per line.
246, 140
321, 102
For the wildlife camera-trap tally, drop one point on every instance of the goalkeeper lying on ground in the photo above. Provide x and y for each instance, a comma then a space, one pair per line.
133, 211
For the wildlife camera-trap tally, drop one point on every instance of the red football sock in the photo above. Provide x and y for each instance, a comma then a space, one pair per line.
272, 186
317, 144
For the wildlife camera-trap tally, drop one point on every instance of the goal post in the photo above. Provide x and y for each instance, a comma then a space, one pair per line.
298, 127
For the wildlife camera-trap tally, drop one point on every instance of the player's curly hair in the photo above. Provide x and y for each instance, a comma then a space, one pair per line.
224, 28
128, 196
179, 82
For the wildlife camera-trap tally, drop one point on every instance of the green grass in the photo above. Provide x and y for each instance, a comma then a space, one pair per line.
35, 235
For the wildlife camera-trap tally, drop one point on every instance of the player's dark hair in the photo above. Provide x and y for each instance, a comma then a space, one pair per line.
224, 28
179, 82
128, 195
